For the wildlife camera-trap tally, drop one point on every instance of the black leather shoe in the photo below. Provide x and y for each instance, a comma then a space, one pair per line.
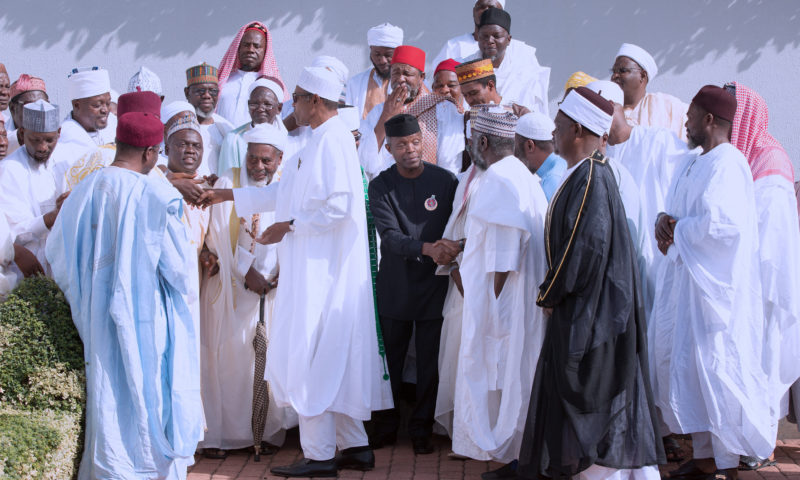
307, 468
356, 458
506, 471
422, 445
380, 440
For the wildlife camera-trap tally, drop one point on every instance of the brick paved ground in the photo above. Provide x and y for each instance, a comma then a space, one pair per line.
399, 463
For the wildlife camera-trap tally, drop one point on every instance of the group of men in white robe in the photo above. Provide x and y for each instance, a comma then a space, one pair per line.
264, 206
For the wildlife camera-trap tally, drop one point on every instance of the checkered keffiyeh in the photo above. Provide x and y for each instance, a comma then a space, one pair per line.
764, 153
424, 109
269, 66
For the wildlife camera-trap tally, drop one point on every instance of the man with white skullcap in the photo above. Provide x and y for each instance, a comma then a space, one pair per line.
229, 300
369, 88
31, 181
534, 147
323, 359
265, 107
591, 403
633, 70
145, 80
88, 125
502, 328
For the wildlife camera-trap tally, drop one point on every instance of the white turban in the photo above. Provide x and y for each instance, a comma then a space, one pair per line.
536, 126
640, 56
145, 80
385, 35
266, 134
350, 117
85, 83
583, 111
321, 81
171, 109
334, 65
269, 85
608, 90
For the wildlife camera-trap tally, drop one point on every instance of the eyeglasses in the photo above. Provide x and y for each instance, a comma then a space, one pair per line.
622, 70
267, 106
202, 91
295, 96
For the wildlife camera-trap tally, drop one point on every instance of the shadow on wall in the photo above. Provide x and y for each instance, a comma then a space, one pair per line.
569, 34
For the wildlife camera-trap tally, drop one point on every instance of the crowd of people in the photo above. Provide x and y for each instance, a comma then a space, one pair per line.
565, 293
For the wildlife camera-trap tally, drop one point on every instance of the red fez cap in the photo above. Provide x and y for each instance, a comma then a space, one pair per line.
716, 101
449, 65
410, 56
139, 129
146, 102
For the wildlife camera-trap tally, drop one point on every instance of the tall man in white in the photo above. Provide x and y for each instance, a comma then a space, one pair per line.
323, 358
502, 328
708, 315
369, 88
30, 190
230, 303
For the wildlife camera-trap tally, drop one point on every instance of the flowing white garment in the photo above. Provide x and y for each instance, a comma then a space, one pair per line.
520, 78
629, 192
450, 341
501, 337
229, 316
449, 145
652, 156
323, 354
779, 250
213, 136
706, 349
74, 136
659, 110
8, 278
28, 190
233, 98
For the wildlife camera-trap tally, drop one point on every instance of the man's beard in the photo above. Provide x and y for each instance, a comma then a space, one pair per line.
412, 95
477, 157
258, 183
381, 75
202, 115
694, 141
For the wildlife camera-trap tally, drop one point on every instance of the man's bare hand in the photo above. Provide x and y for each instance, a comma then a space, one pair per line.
188, 186
211, 179
455, 274
451, 250
212, 196
60, 200
274, 233
27, 262
665, 229
209, 262
256, 282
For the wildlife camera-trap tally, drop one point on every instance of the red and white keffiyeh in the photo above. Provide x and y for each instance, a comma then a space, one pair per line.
764, 153
269, 66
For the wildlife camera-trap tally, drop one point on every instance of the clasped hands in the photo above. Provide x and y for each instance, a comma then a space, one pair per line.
443, 251
665, 229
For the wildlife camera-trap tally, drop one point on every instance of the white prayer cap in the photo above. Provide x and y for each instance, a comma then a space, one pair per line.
579, 108
321, 81
536, 126
608, 90
88, 82
266, 134
171, 109
40, 116
350, 117
640, 56
385, 35
145, 80
333, 64
269, 85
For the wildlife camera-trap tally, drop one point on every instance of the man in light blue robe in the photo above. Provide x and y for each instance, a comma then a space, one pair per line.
120, 253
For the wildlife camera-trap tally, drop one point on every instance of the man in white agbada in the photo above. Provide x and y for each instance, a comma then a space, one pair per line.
369, 88
708, 314
120, 255
323, 357
633, 71
502, 328
31, 191
88, 125
230, 304
265, 107
145, 80
202, 91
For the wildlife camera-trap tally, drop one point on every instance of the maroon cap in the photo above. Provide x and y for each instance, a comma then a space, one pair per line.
596, 99
139, 129
716, 101
146, 102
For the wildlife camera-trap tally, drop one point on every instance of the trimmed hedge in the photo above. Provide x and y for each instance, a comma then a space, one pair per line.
42, 384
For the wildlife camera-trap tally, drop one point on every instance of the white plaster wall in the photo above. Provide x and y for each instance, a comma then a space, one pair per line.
695, 42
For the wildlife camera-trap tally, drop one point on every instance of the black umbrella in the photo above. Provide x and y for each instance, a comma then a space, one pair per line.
260, 385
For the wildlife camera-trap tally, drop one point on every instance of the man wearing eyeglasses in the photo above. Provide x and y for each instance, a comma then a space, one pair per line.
202, 91
633, 70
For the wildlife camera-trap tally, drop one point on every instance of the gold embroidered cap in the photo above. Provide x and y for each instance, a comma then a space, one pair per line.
474, 70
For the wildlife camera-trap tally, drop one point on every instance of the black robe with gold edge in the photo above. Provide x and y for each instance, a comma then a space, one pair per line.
591, 401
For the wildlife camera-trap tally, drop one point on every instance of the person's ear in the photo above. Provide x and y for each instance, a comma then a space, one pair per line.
185, 93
